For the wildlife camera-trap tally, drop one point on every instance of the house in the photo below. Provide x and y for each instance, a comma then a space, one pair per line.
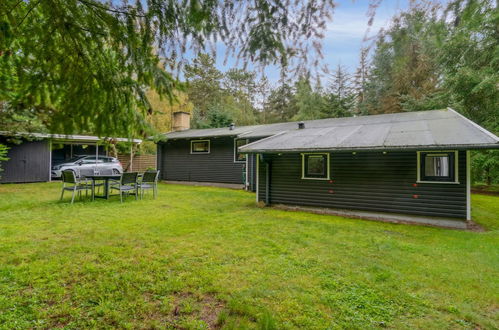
211, 155
32, 159
412, 166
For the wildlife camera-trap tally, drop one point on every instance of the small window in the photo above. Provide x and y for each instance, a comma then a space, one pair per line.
437, 166
315, 166
200, 147
239, 157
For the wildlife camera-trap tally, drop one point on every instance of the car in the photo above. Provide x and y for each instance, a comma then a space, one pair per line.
88, 165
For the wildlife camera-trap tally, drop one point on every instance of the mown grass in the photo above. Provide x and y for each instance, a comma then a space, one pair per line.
201, 257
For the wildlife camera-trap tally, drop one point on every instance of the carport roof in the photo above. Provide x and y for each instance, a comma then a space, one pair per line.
435, 129
68, 138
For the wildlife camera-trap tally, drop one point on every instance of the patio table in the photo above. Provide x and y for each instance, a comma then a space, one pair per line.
106, 179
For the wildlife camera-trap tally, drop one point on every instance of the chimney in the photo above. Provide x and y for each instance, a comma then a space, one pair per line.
181, 121
301, 125
232, 126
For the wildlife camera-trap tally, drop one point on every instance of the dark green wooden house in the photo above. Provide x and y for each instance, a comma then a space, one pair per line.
412, 167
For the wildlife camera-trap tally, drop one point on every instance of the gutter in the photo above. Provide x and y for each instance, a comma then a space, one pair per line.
402, 148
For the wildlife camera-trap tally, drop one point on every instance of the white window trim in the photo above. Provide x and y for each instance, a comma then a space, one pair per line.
235, 151
204, 152
328, 165
456, 167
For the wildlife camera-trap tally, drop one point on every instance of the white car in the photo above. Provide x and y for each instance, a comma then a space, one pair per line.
88, 165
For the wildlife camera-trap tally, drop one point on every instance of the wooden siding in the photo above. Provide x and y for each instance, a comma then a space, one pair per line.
178, 164
28, 162
368, 181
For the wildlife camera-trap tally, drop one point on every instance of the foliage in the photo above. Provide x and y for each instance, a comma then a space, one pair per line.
233, 94
404, 70
433, 58
470, 61
197, 252
310, 103
280, 106
3, 155
341, 95
85, 65
485, 166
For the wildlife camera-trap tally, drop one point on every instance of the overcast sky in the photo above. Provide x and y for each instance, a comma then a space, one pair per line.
345, 34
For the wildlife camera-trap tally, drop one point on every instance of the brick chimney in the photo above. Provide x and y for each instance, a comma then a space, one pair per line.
181, 121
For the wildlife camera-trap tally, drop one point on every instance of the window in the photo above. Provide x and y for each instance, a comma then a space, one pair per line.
437, 166
238, 157
90, 160
315, 166
200, 147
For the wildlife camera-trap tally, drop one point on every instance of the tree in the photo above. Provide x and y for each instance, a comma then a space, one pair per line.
340, 99
310, 103
86, 64
404, 72
432, 58
470, 61
204, 85
280, 106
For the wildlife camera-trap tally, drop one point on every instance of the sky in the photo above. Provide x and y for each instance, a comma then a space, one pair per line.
345, 34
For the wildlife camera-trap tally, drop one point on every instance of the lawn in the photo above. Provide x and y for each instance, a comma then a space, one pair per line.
201, 257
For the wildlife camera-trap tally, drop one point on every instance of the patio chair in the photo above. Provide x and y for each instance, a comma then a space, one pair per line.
127, 185
149, 181
75, 185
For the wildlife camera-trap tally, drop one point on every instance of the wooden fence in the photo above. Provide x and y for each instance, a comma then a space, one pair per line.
139, 163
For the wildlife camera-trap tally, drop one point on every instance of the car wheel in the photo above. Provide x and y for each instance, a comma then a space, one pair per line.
115, 171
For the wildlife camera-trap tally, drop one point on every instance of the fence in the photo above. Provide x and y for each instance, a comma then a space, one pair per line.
139, 163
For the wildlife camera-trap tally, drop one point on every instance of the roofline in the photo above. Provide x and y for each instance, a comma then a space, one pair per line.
408, 148
258, 141
490, 134
62, 137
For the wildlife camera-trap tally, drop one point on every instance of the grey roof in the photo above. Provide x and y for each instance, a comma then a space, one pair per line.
409, 130
208, 132
68, 138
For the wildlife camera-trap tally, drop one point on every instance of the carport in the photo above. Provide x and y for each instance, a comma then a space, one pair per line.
33, 158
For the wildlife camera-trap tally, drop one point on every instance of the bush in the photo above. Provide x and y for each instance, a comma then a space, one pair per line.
3, 155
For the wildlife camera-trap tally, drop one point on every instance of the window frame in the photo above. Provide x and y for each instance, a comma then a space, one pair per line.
453, 168
200, 152
305, 155
236, 152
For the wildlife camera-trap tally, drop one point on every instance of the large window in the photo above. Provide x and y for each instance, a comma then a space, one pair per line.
239, 157
315, 166
437, 166
200, 146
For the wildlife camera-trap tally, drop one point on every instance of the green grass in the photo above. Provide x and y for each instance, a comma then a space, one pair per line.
201, 257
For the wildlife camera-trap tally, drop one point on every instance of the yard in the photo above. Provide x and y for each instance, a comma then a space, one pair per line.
200, 257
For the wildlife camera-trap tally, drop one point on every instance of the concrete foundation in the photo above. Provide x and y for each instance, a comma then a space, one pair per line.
384, 216
208, 184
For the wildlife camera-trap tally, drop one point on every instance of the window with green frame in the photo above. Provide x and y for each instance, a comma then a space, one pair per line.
315, 166
437, 166
200, 146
